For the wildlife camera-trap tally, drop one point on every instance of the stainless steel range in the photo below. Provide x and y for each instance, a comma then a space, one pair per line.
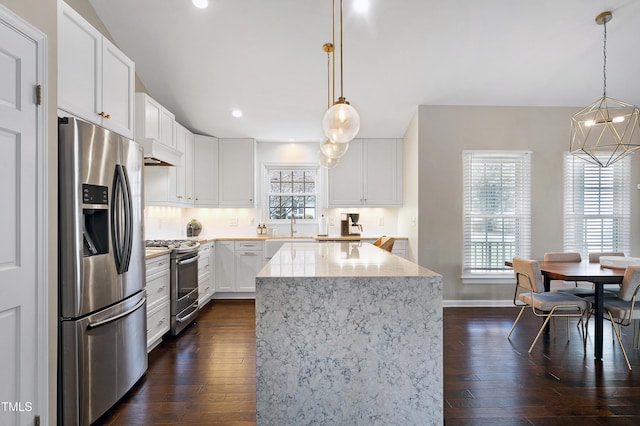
183, 281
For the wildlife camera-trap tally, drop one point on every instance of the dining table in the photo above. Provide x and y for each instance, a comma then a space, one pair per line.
584, 271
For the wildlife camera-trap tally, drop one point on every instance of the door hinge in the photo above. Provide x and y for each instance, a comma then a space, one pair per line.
38, 94
36, 421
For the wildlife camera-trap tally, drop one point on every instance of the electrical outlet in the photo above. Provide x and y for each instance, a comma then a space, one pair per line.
233, 222
381, 221
413, 221
252, 221
332, 221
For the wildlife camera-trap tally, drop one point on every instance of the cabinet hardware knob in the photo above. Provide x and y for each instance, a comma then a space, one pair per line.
107, 116
101, 113
179, 196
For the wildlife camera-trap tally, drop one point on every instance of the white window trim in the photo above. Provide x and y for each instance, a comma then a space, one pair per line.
500, 278
320, 189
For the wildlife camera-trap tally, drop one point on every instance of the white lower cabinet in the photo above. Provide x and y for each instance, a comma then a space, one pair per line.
237, 264
249, 261
205, 285
225, 266
157, 286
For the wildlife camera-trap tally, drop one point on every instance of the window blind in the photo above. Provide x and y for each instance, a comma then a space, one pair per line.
597, 206
496, 210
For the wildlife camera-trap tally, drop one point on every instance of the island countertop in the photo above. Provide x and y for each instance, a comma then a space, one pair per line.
344, 259
347, 334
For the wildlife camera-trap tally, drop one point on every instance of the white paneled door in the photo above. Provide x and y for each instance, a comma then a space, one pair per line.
23, 340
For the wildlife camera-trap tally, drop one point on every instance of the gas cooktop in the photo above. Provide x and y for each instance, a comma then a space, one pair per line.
172, 244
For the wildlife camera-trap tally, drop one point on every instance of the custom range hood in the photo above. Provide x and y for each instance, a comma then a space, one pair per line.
158, 154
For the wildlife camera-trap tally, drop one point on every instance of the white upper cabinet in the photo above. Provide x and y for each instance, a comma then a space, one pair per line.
205, 171
181, 176
370, 174
236, 172
96, 81
154, 122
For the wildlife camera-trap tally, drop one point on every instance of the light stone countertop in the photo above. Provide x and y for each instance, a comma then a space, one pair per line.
155, 252
347, 334
339, 260
206, 239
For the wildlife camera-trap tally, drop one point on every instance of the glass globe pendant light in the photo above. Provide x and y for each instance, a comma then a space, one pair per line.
327, 162
341, 122
333, 149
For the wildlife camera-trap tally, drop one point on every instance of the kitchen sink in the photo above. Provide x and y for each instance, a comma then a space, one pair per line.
273, 244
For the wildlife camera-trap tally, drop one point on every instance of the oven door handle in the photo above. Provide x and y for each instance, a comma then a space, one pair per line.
186, 262
188, 317
117, 317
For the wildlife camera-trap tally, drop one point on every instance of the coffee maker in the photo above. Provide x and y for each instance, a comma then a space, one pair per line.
349, 225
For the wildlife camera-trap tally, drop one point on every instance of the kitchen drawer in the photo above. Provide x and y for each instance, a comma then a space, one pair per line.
157, 288
203, 265
157, 264
249, 246
204, 291
157, 324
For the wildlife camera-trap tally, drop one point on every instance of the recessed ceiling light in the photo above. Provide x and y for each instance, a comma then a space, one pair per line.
236, 113
201, 4
361, 6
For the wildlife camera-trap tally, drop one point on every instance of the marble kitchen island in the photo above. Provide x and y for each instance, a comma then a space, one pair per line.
347, 334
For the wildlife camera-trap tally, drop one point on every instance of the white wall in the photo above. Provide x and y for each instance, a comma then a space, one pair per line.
409, 215
444, 132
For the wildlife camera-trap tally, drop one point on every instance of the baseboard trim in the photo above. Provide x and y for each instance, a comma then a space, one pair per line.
477, 303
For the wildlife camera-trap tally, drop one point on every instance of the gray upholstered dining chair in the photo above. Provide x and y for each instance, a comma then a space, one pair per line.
595, 258
530, 292
624, 308
576, 288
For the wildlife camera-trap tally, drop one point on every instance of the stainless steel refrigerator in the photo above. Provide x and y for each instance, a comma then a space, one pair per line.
102, 301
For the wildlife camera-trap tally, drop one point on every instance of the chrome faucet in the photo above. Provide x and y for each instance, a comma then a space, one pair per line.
293, 222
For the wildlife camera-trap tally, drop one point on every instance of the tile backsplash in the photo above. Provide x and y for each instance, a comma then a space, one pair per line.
171, 222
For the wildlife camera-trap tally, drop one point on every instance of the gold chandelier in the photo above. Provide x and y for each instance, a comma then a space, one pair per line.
608, 129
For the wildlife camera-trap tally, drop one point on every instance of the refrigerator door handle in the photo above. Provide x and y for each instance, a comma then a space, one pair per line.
117, 317
128, 218
121, 220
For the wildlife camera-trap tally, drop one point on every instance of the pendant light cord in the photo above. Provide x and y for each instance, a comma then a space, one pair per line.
333, 53
604, 61
341, 82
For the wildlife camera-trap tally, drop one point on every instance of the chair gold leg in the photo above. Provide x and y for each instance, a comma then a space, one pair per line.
617, 333
539, 332
516, 321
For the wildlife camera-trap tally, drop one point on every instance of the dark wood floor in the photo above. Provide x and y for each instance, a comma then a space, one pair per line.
207, 375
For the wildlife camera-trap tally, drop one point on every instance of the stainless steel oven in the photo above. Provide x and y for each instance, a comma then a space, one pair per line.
184, 288
183, 283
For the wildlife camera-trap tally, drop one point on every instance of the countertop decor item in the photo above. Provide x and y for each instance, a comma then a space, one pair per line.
193, 228
607, 130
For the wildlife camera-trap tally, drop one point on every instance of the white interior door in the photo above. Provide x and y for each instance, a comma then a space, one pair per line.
22, 345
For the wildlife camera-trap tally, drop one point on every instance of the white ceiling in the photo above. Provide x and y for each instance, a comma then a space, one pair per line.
265, 57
